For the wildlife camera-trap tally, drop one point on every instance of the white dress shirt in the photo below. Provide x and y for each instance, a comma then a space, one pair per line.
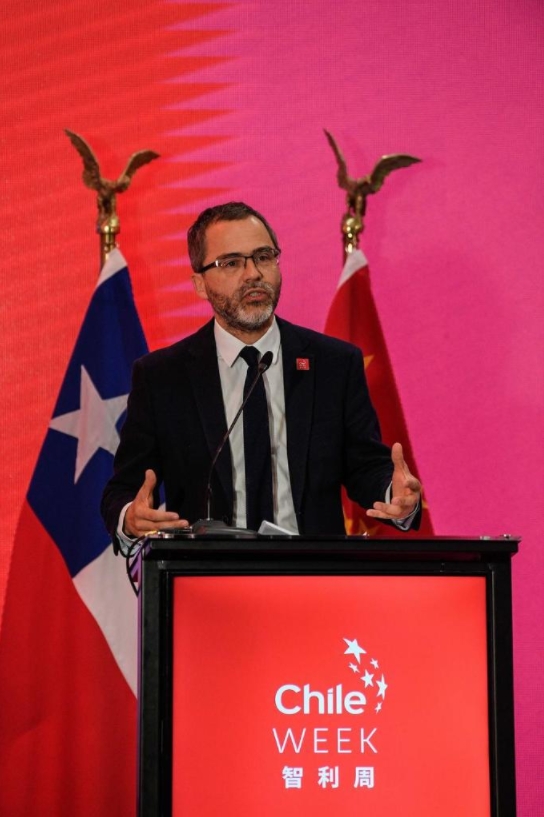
233, 370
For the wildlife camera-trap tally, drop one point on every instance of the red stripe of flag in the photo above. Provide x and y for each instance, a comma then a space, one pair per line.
68, 734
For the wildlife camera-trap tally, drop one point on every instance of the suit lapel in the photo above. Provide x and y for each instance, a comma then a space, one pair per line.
206, 383
299, 382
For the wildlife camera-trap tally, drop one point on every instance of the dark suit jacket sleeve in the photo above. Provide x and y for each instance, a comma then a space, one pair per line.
367, 461
369, 468
175, 420
137, 451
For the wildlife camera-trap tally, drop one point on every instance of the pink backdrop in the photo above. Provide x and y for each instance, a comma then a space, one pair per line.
235, 98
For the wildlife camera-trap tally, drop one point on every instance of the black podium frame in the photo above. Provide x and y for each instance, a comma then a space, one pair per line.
165, 557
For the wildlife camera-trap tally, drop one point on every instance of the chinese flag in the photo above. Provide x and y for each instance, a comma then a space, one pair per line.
353, 317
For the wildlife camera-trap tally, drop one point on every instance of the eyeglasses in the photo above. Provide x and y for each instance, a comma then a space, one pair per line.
265, 259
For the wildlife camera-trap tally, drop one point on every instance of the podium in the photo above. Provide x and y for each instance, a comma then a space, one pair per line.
326, 676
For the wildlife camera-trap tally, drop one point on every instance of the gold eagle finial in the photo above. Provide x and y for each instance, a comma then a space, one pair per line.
107, 224
357, 189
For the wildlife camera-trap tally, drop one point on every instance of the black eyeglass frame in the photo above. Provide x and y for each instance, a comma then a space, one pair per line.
217, 263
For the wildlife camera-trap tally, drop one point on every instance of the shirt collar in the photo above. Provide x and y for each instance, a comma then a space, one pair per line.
229, 347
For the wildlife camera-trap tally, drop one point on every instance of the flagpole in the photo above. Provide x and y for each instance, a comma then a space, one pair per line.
107, 224
357, 190
353, 317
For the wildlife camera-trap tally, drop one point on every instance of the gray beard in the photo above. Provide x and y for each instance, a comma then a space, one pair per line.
245, 317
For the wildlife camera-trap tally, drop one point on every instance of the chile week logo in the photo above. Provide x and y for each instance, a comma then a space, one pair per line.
347, 701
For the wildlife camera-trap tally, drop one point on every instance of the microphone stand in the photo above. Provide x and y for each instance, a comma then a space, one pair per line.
210, 526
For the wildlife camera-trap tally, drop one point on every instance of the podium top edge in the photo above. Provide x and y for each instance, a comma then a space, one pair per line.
160, 544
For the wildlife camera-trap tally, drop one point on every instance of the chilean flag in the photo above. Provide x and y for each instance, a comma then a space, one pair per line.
68, 640
353, 317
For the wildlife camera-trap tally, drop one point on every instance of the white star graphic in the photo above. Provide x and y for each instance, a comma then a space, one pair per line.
367, 678
93, 424
378, 707
354, 667
382, 687
354, 649
374, 663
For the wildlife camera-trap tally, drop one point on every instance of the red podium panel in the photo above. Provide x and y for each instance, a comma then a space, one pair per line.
324, 678
330, 695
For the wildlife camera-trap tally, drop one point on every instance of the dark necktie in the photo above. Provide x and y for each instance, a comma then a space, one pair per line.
258, 461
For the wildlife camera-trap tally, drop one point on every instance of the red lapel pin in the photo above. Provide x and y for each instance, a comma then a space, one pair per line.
303, 364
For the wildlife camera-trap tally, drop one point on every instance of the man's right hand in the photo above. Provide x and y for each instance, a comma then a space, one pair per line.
142, 518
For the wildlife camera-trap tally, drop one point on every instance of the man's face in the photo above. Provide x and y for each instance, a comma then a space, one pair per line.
243, 301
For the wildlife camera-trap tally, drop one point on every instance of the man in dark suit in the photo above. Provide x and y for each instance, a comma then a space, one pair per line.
323, 429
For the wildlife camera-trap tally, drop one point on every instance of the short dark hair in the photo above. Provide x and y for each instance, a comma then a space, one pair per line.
231, 211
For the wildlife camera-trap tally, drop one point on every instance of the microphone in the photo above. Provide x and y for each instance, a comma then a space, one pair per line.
217, 526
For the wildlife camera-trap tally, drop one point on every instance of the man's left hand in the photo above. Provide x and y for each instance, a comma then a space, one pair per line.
406, 491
